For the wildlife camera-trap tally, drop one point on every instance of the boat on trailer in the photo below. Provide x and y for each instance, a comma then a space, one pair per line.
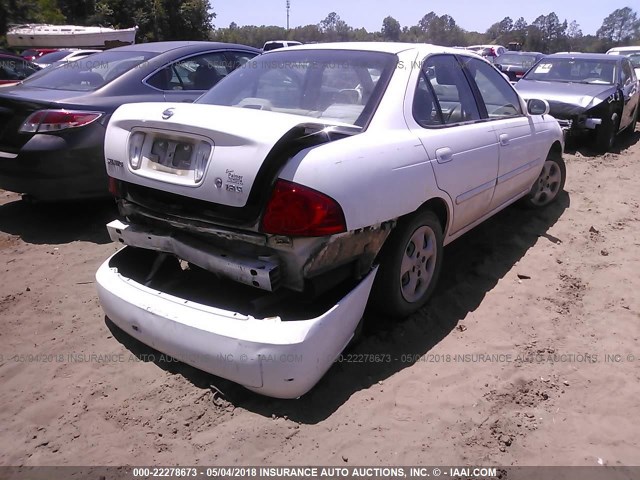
69, 36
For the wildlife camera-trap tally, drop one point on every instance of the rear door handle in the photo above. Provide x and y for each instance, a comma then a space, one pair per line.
504, 139
444, 155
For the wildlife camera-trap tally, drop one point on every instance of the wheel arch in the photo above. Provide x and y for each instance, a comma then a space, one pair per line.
438, 206
441, 209
556, 149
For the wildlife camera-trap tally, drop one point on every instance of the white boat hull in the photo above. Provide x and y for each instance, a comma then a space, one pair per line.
61, 36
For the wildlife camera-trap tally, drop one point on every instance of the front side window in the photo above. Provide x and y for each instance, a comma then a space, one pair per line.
499, 97
627, 72
634, 58
453, 100
339, 85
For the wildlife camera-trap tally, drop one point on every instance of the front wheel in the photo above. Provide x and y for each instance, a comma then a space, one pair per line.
549, 184
410, 265
630, 130
606, 133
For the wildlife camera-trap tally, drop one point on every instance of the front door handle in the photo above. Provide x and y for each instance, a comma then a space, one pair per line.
504, 139
444, 155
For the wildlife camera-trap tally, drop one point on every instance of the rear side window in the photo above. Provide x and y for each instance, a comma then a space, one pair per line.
92, 72
426, 110
443, 94
499, 98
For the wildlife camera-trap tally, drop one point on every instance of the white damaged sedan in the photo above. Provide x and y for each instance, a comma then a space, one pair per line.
260, 220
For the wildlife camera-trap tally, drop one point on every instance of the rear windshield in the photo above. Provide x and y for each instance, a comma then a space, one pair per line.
339, 85
574, 70
525, 61
90, 73
272, 46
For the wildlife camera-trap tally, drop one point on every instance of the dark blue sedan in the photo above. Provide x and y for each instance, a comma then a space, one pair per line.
52, 126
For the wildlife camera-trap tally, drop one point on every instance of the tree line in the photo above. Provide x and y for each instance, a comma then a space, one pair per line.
546, 34
192, 20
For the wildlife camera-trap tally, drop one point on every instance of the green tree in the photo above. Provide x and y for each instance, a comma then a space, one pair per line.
620, 26
440, 30
391, 29
335, 29
574, 34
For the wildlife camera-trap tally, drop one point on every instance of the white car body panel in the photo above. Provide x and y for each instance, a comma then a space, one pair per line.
266, 355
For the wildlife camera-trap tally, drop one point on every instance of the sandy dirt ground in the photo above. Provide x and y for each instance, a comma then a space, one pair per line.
527, 354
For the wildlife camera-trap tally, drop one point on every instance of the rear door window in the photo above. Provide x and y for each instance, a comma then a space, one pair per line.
453, 100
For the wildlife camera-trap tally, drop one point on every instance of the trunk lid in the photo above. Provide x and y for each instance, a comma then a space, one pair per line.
247, 148
17, 103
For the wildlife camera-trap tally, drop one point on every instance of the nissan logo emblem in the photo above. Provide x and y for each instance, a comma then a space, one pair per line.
168, 113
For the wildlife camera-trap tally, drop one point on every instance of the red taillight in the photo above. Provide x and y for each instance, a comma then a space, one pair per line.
55, 120
114, 187
299, 211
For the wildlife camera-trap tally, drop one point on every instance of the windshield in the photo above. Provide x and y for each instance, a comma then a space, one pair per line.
338, 85
574, 70
525, 61
90, 73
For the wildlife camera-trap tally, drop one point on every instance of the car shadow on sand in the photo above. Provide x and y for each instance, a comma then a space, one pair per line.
585, 147
472, 267
58, 223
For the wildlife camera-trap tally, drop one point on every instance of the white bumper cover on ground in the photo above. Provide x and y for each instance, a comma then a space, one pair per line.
269, 356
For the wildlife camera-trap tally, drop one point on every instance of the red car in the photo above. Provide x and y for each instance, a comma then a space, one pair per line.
14, 69
34, 53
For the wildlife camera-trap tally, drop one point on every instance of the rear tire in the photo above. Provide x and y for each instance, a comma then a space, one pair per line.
410, 265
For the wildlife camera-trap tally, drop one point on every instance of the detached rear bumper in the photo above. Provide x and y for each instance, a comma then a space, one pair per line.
283, 359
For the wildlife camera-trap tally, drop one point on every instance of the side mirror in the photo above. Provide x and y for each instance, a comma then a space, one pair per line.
498, 66
537, 106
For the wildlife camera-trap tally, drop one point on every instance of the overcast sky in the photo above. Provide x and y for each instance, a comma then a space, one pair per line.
470, 15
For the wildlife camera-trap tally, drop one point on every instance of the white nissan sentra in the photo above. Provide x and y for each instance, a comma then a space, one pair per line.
260, 220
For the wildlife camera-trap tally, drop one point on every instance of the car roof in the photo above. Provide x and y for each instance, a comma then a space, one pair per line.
383, 47
586, 56
519, 52
624, 49
162, 47
484, 46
